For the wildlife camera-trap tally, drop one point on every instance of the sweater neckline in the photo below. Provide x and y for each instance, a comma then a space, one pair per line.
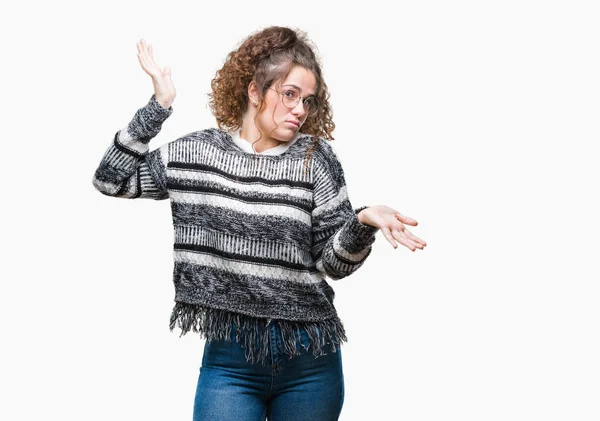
243, 146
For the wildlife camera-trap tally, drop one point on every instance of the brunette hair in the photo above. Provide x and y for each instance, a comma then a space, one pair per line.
267, 56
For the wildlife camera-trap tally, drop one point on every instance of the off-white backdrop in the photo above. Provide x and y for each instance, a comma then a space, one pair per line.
479, 119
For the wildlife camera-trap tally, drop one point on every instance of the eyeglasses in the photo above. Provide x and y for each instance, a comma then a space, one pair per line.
291, 97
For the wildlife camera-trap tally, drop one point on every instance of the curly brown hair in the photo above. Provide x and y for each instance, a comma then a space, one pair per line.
267, 56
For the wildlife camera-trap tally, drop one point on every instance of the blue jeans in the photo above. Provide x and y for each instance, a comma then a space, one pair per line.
303, 388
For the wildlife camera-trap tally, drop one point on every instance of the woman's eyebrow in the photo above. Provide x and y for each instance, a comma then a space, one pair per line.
297, 87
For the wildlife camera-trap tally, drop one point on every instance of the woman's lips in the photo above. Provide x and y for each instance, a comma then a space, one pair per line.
293, 123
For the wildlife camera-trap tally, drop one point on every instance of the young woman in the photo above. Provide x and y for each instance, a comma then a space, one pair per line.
261, 217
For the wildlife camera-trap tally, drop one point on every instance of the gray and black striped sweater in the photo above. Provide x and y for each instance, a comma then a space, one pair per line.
255, 235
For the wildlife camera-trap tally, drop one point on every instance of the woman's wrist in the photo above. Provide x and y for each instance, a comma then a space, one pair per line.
359, 212
166, 105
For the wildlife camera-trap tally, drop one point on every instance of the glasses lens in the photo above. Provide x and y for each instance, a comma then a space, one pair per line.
312, 105
290, 97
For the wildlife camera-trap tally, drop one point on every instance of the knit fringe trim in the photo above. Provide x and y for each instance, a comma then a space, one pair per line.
252, 332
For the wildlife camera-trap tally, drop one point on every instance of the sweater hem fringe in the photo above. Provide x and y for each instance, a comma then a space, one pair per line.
252, 333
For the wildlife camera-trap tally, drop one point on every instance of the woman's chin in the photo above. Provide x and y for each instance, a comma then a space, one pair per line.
287, 136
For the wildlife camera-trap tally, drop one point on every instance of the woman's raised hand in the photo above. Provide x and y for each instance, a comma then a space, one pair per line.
391, 223
164, 90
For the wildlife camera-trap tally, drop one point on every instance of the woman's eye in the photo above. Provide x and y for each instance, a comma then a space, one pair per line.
290, 94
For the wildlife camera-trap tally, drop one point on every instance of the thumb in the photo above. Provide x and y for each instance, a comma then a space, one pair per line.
406, 219
167, 72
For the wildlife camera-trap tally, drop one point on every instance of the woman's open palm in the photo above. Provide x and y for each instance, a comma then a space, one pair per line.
164, 90
391, 223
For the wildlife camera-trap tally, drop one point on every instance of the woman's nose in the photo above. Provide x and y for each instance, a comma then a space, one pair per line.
299, 109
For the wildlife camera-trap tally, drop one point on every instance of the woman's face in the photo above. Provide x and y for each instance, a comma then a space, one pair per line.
276, 121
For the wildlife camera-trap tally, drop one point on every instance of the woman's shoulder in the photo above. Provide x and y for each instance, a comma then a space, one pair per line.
325, 152
316, 144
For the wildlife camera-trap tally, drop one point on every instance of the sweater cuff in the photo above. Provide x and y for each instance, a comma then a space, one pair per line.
361, 235
147, 121
357, 211
158, 113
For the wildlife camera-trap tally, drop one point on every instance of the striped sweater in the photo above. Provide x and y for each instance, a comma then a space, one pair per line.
255, 234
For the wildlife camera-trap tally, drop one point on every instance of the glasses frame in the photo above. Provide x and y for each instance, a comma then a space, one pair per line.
300, 98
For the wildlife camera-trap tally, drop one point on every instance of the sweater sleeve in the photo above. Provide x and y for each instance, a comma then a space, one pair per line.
128, 169
341, 243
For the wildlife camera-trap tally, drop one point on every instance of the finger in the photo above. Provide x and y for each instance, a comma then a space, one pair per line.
147, 52
413, 237
141, 45
149, 58
388, 236
140, 57
407, 244
147, 48
146, 61
402, 239
168, 72
143, 61
406, 219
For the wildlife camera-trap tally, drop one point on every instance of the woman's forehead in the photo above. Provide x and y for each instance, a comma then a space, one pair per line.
305, 83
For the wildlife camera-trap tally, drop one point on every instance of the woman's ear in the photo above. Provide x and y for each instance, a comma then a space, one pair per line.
253, 93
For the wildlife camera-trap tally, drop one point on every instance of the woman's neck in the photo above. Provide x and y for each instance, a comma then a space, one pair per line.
251, 134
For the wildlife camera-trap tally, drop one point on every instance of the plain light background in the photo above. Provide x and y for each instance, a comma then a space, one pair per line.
479, 119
